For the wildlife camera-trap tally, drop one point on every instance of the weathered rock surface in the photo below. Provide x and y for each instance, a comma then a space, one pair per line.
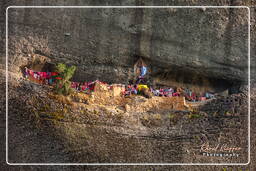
56, 47
104, 43
42, 129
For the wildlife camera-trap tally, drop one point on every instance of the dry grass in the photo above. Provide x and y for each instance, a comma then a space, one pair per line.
151, 120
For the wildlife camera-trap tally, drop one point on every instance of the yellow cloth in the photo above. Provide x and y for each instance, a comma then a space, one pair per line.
141, 86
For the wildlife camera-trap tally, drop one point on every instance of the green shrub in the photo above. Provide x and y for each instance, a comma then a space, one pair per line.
171, 116
193, 115
63, 86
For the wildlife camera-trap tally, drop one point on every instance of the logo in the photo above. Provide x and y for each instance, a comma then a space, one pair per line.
220, 150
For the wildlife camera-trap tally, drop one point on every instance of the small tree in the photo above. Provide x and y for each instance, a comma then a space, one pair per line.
63, 85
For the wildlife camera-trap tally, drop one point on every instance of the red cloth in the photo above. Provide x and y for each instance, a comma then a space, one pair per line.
54, 73
91, 85
30, 72
83, 87
73, 84
42, 74
176, 94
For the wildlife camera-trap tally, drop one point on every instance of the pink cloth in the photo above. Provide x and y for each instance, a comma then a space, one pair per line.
176, 94
31, 72
202, 98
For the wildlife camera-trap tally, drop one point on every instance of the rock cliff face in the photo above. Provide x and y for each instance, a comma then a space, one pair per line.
204, 47
179, 45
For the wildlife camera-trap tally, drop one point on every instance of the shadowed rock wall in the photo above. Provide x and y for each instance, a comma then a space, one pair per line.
105, 43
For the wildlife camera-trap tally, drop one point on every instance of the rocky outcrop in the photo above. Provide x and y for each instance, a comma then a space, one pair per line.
194, 44
59, 38
150, 131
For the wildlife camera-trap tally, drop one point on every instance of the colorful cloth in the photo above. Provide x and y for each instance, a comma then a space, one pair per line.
176, 94
202, 98
141, 86
168, 92
43, 77
156, 92
30, 72
91, 85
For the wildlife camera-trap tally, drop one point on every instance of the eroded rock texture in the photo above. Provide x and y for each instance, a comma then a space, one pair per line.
180, 45
104, 45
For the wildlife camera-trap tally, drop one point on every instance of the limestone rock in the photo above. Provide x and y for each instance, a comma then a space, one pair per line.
105, 43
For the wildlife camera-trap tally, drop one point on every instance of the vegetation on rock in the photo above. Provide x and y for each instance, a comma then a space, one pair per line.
63, 85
